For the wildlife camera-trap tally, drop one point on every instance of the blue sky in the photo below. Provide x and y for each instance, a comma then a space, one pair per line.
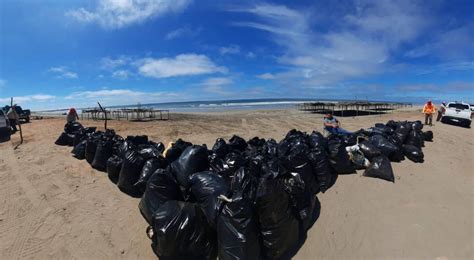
58, 54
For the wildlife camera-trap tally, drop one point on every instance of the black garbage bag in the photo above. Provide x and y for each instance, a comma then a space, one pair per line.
237, 143
102, 154
369, 150
413, 153
358, 159
279, 227
228, 166
380, 167
316, 139
151, 165
72, 127
321, 168
220, 148
137, 139
428, 136
301, 197
417, 126
176, 150
401, 132
192, 160
398, 155
160, 188
384, 145
415, 138
79, 150
206, 187
63, 140
91, 147
392, 124
338, 156
237, 231
180, 231
271, 148
130, 173
114, 164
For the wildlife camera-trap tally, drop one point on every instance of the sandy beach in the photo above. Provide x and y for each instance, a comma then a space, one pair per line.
54, 206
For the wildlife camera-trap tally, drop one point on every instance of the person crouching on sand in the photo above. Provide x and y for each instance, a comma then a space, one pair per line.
441, 110
429, 110
13, 118
332, 125
72, 116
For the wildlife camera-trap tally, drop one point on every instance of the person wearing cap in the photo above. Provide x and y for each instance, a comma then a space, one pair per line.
72, 115
13, 117
441, 110
429, 110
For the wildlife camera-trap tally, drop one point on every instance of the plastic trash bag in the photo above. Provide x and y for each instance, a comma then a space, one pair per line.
130, 173
206, 187
220, 148
380, 167
151, 165
415, 138
384, 145
72, 127
338, 156
237, 231
79, 150
279, 227
369, 150
321, 169
180, 231
237, 143
91, 147
398, 155
192, 160
417, 126
413, 153
160, 188
114, 164
176, 149
316, 139
428, 136
357, 158
102, 154
63, 140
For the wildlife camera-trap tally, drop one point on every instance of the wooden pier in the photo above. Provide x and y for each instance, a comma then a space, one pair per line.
352, 108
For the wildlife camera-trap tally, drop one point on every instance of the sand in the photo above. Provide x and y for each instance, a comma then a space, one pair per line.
54, 206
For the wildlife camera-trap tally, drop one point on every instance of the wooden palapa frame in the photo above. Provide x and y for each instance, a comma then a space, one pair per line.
105, 115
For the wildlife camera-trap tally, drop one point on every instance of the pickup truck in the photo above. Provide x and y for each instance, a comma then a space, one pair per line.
4, 127
458, 112
24, 114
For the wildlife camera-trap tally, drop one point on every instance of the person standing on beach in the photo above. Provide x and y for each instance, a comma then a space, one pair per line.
72, 115
13, 117
441, 111
332, 125
429, 110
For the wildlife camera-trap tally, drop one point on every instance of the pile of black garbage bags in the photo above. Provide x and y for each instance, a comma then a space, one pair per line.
252, 199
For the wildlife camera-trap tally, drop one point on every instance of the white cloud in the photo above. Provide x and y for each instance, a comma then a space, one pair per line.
30, 98
266, 76
217, 85
63, 72
121, 74
121, 13
231, 49
183, 32
108, 63
250, 55
358, 45
118, 97
2, 83
181, 65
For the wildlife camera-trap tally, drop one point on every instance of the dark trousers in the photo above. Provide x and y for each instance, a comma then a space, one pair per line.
428, 119
440, 115
13, 124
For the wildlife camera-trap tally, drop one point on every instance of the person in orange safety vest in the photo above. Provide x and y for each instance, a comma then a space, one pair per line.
429, 110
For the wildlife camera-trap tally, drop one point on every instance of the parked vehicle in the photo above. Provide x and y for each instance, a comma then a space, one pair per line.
24, 114
4, 127
458, 112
